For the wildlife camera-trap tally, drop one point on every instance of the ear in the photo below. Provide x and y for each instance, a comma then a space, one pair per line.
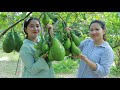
104, 31
25, 30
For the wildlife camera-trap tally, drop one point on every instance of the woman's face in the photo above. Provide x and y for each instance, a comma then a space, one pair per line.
33, 29
96, 32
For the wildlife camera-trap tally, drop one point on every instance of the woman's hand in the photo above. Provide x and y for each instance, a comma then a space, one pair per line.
68, 28
45, 55
49, 26
81, 56
89, 62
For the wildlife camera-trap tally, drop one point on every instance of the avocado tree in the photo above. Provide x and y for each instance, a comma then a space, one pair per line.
78, 21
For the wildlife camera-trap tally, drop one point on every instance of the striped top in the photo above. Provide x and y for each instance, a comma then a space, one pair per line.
102, 55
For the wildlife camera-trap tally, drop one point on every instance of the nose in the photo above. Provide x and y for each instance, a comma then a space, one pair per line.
36, 29
93, 32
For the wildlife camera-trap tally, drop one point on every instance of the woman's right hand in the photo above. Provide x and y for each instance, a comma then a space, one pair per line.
49, 26
68, 28
81, 56
45, 55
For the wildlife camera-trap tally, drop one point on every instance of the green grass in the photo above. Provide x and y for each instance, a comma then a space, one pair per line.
8, 68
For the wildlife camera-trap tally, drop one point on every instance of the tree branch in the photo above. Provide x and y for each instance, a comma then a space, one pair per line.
61, 17
116, 46
75, 17
14, 25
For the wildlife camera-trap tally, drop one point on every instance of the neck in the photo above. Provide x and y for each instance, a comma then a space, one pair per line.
99, 42
33, 39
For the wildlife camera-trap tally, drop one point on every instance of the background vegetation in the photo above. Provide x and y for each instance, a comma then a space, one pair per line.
78, 21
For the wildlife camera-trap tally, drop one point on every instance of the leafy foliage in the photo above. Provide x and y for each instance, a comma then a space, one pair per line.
66, 66
78, 21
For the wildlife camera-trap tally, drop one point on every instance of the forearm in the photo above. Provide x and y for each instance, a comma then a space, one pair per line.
88, 62
38, 66
91, 64
32, 66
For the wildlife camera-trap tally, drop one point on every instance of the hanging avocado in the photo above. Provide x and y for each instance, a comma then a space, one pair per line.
67, 44
45, 47
50, 57
45, 19
57, 50
18, 41
74, 49
76, 39
8, 43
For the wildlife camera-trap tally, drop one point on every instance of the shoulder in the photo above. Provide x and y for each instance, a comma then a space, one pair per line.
25, 44
25, 47
108, 49
107, 46
86, 41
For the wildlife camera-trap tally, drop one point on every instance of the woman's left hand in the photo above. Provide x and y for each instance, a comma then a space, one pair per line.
81, 56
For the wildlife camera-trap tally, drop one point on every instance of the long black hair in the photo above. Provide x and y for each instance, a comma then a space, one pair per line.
102, 24
26, 23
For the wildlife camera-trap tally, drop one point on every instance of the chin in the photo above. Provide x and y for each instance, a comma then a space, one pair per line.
95, 39
35, 36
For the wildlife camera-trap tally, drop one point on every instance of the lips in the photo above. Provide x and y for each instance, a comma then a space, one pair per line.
35, 32
94, 35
